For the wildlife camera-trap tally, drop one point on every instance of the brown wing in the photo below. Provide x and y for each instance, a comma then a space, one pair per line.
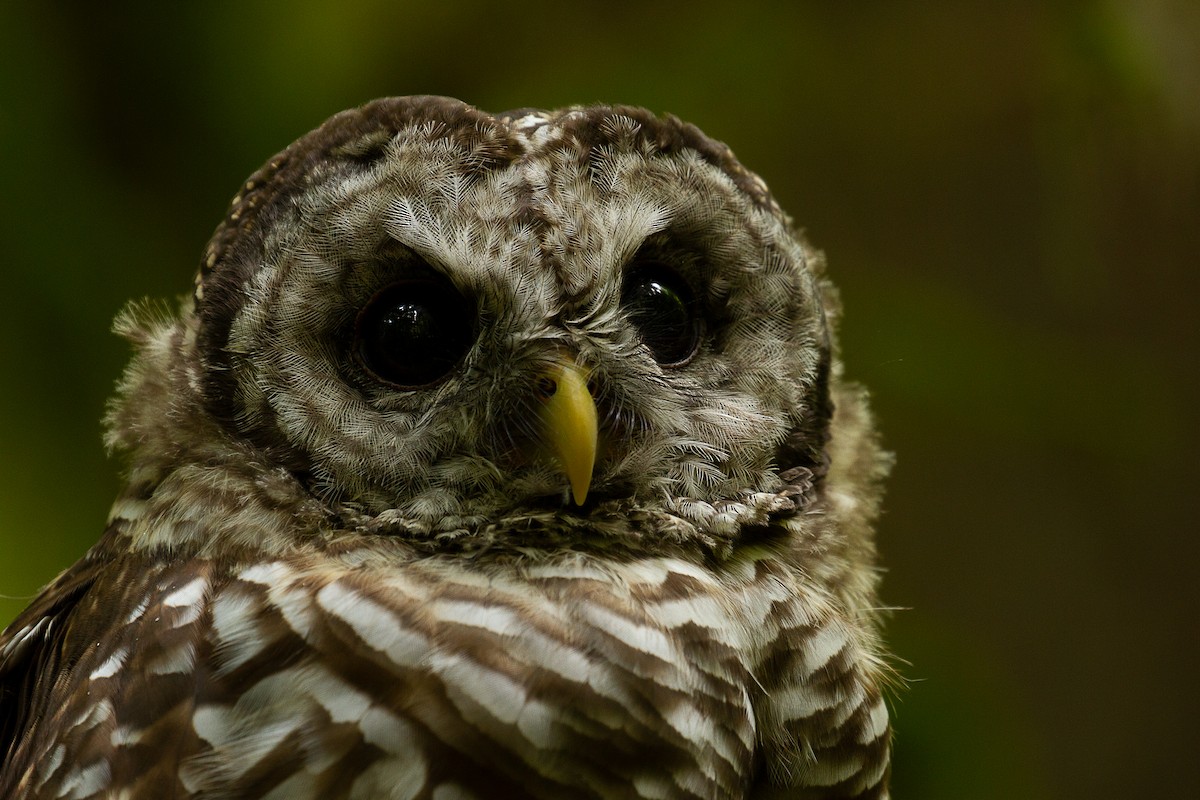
32, 655
97, 679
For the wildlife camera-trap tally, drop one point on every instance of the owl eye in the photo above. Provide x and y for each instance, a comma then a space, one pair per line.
413, 333
659, 304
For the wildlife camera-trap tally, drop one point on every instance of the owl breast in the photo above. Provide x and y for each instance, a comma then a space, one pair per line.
572, 676
566, 674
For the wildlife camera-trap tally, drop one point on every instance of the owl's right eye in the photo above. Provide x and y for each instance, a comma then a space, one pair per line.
413, 333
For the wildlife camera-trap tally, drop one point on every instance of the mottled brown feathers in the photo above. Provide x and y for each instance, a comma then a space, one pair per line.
324, 579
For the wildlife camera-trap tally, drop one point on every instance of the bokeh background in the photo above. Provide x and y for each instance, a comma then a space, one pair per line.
1009, 197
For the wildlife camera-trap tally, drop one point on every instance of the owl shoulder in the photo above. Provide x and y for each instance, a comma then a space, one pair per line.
68, 661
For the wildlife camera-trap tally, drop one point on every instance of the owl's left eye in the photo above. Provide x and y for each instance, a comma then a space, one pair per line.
659, 304
412, 334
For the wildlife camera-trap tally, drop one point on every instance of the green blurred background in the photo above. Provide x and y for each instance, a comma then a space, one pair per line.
1009, 196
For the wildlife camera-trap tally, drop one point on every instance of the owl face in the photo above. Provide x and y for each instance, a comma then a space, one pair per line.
391, 310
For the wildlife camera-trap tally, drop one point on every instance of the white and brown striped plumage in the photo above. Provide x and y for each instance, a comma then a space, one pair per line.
321, 583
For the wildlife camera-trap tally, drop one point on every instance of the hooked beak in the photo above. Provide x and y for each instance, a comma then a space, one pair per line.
569, 424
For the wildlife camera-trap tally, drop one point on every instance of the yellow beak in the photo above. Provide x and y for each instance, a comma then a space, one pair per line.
569, 420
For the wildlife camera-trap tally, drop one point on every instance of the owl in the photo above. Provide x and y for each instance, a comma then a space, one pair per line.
491, 456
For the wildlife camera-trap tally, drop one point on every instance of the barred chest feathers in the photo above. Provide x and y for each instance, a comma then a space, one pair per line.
645, 678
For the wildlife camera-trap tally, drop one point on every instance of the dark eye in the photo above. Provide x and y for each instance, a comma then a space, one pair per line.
412, 334
660, 305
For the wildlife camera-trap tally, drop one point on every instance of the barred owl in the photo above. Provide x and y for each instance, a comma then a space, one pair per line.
491, 456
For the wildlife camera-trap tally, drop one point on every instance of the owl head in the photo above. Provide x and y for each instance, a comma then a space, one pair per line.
421, 318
